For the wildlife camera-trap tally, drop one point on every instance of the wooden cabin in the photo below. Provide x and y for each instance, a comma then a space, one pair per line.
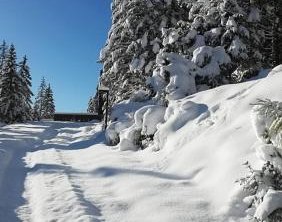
76, 117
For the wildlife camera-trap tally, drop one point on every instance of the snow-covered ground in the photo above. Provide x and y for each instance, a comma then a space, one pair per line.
55, 171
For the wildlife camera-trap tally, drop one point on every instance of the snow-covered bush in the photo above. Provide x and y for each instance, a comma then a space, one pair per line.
174, 78
114, 129
213, 62
122, 117
139, 96
264, 186
130, 138
141, 132
177, 115
265, 189
268, 122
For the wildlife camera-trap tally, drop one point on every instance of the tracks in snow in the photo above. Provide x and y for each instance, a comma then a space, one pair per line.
51, 190
37, 182
54, 195
61, 183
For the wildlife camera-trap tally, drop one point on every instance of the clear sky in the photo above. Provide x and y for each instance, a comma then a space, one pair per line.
62, 40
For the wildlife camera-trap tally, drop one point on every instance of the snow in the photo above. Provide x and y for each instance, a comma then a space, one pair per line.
199, 41
59, 171
103, 87
238, 48
172, 37
254, 15
213, 35
268, 122
231, 24
176, 79
138, 64
144, 40
156, 48
122, 117
271, 202
210, 60
145, 123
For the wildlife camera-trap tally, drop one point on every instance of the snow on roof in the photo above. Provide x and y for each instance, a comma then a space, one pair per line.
77, 114
103, 88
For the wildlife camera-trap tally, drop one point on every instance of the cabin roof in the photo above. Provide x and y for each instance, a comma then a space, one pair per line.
77, 114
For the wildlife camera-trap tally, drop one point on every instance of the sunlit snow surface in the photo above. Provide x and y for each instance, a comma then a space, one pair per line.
53, 171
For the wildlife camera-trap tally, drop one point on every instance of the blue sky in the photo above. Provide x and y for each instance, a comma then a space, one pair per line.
62, 40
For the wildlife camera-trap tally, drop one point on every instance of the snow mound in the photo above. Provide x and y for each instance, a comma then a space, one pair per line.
211, 131
208, 135
122, 117
145, 124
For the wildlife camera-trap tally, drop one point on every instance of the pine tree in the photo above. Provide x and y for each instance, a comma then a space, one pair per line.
271, 27
10, 95
92, 104
141, 29
133, 44
48, 103
223, 23
3, 49
38, 108
277, 32
25, 77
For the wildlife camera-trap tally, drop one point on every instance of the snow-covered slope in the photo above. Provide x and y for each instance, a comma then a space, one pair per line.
211, 133
64, 171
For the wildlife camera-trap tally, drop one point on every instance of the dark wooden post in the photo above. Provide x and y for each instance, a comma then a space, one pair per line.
101, 90
107, 109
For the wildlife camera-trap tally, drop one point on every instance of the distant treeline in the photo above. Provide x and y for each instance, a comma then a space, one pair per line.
15, 90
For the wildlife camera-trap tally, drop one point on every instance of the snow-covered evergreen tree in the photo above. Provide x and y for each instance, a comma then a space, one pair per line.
271, 27
268, 122
3, 49
92, 104
218, 23
264, 186
134, 41
25, 87
48, 109
38, 108
10, 85
229, 41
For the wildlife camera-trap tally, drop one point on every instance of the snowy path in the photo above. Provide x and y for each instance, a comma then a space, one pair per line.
53, 172
15, 141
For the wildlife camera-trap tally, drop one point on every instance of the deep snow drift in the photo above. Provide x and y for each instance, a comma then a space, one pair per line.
64, 171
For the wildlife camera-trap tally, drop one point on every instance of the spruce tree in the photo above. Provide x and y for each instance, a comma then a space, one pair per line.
270, 25
48, 103
133, 44
246, 33
25, 77
11, 94
220, 23
3, 49
38, 108
92, 105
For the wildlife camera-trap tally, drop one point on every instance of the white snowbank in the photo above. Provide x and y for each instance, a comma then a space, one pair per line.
211, 132
145, 123
122, 117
